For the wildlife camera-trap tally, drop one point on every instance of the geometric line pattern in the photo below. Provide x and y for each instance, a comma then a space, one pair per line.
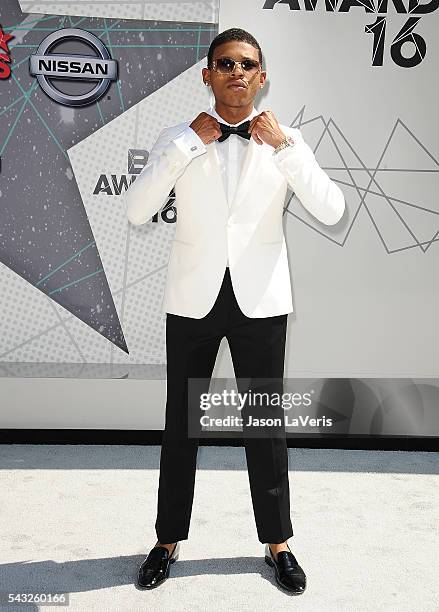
393, 218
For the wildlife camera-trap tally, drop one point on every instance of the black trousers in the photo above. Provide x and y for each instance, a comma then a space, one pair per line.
257, 347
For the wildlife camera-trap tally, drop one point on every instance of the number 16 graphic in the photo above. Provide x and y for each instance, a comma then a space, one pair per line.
406, 34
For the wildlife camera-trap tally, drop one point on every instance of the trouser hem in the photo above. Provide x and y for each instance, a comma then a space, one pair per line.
276, 539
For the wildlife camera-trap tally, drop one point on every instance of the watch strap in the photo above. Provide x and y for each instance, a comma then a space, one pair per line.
286, 142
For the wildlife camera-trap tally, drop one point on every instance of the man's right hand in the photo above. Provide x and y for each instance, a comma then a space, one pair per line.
206, 127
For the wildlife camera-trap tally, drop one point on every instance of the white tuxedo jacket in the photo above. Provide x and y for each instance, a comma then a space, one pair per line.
249, 231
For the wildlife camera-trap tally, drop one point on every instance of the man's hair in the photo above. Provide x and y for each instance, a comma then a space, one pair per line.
232, 34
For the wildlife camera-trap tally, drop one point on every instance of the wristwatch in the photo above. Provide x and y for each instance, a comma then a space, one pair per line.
287, 142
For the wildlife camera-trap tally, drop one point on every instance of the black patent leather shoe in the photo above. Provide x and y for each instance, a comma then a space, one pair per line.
155, 568
289, 574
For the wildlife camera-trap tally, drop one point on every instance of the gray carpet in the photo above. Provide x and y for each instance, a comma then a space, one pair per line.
80, 519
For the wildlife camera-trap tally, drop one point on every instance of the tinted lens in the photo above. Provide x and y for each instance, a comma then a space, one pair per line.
249, 65
225, 64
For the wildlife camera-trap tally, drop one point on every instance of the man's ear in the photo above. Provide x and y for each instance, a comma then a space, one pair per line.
205, 74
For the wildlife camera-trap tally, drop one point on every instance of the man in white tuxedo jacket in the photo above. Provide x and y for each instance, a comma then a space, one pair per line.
228, 275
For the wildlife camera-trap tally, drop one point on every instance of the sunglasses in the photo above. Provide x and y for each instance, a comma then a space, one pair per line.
226, 65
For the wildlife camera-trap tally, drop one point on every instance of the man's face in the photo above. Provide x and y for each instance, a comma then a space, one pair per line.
223, 84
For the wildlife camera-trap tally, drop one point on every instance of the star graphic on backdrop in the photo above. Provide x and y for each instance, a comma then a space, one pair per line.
45, 235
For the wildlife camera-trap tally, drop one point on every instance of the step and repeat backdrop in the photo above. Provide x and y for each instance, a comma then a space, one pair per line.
85, 89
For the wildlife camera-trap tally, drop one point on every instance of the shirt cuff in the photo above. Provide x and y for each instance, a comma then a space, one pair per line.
190, 143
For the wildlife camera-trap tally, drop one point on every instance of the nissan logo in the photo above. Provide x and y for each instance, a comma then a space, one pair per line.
46, 66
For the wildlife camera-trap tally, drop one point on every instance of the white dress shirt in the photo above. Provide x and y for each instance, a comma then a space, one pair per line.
231, 152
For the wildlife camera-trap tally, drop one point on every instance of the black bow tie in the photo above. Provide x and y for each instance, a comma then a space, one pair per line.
241, 130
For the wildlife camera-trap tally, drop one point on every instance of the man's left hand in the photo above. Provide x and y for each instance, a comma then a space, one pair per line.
265, 128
